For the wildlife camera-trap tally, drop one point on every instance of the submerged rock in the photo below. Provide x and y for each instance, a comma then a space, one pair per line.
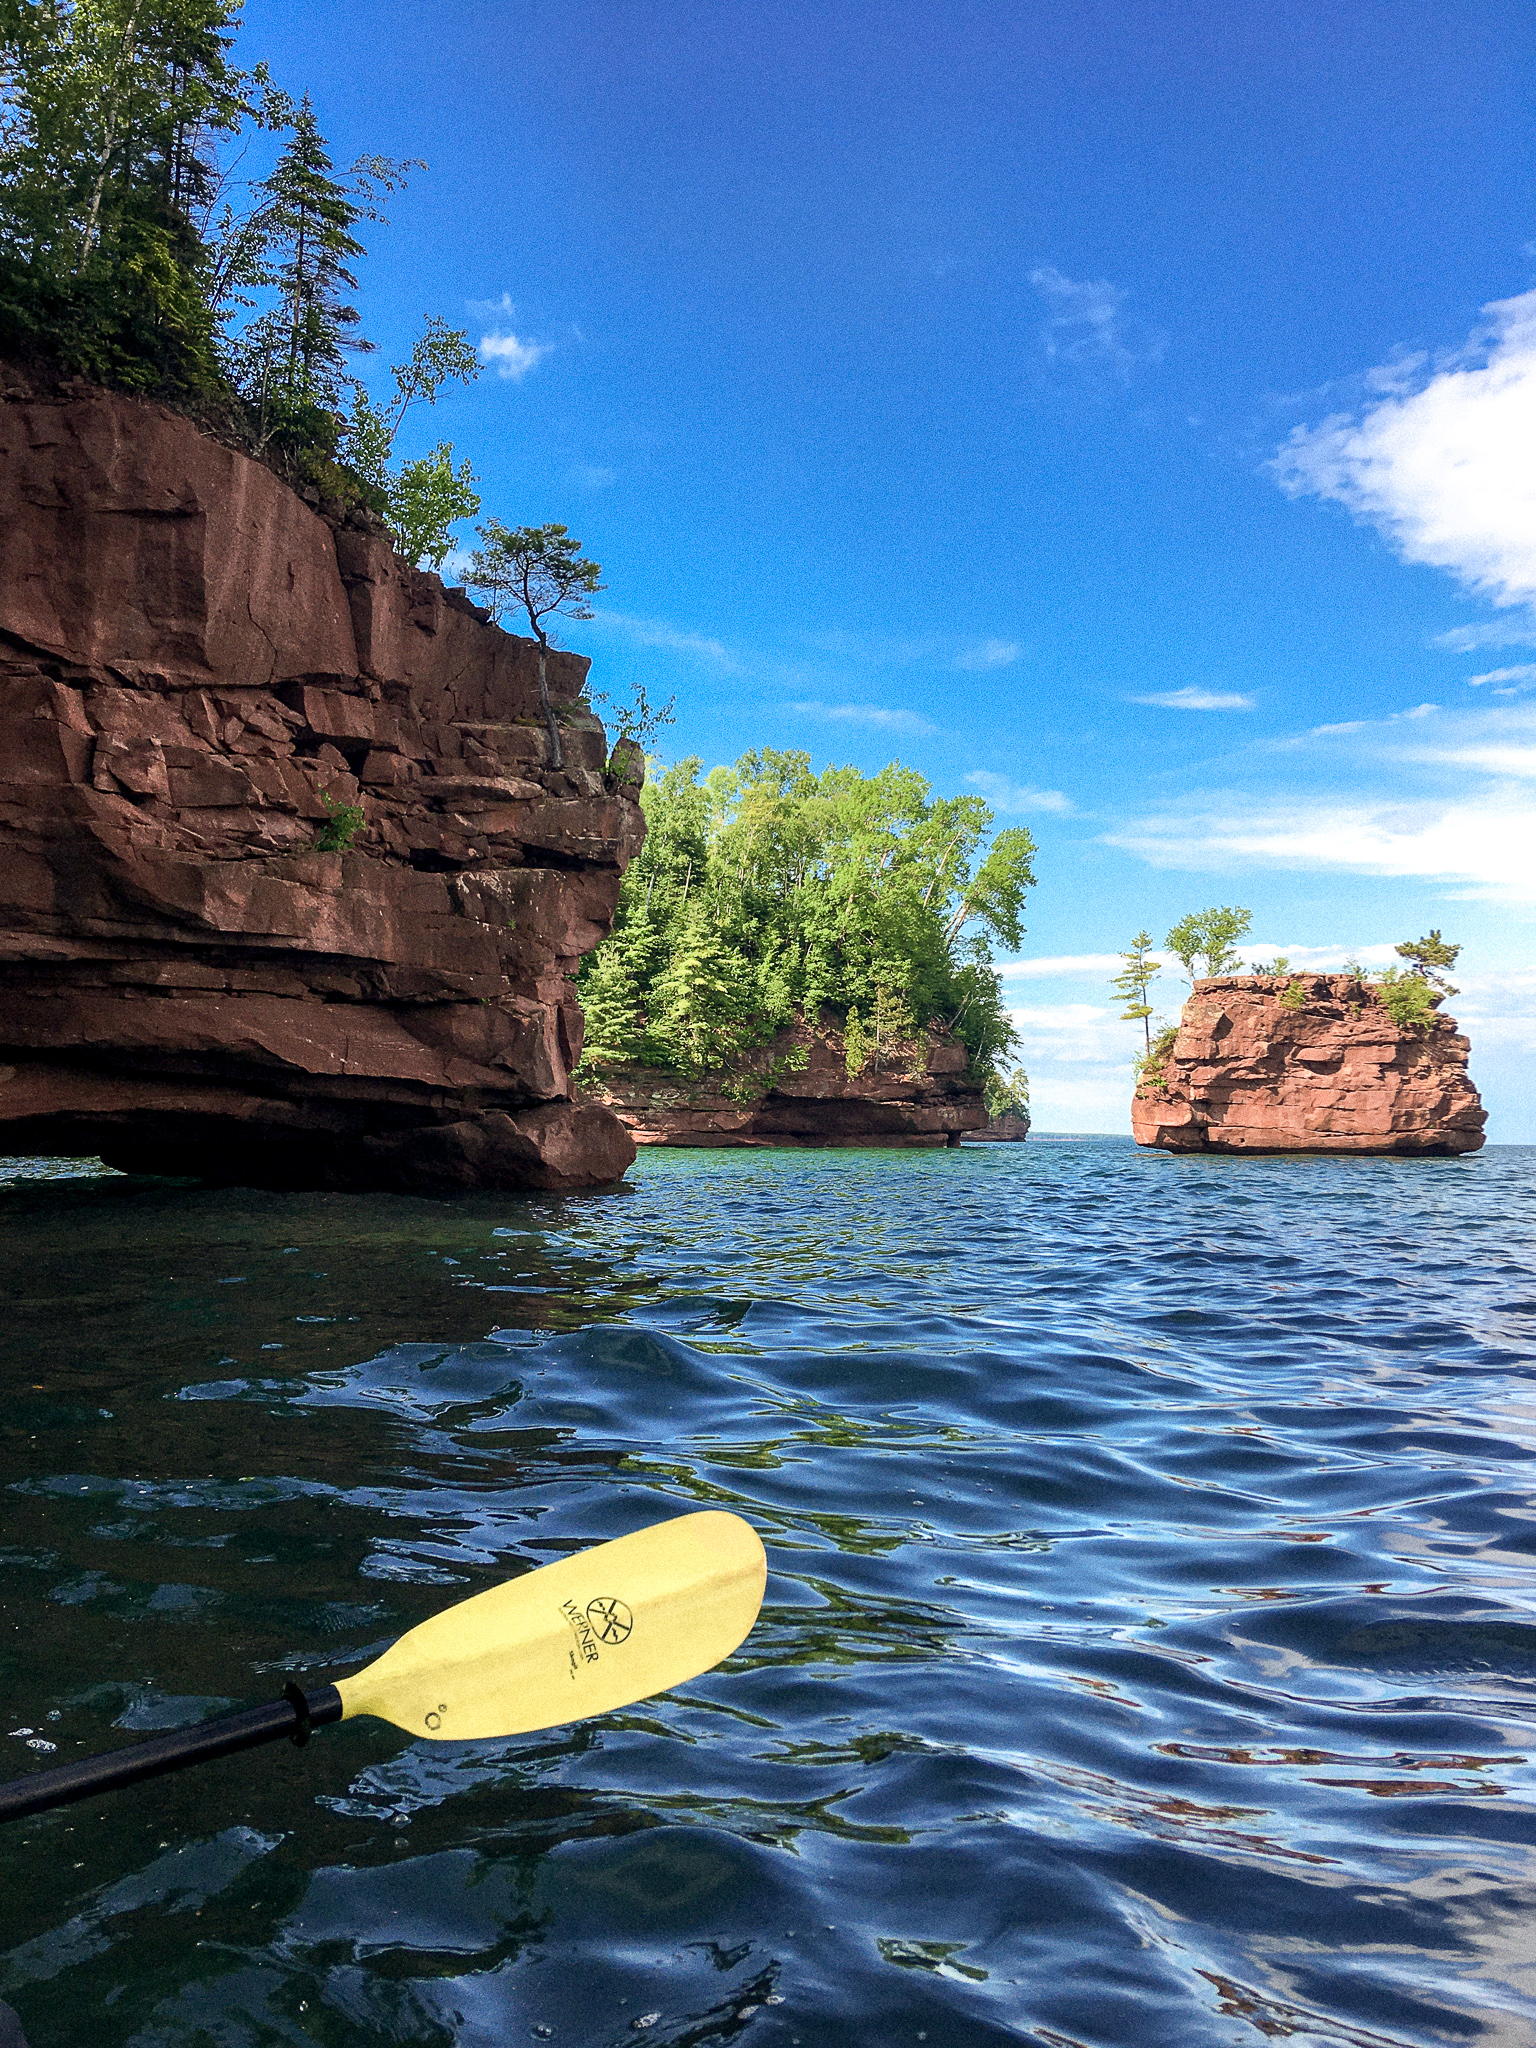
797, 1090
1327, 1070
196, 670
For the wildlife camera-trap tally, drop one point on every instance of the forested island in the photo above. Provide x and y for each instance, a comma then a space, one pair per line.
767, 894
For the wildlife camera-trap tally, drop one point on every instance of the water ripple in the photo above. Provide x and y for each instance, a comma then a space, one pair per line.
1149, 1653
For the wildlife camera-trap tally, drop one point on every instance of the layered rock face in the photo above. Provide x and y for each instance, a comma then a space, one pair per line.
192, 660
1334, 1073
1001, 1130
928, 1099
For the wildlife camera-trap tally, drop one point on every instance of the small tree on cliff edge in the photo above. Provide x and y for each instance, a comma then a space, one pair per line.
541, 569
1429, 957
1212, 936
1133, 982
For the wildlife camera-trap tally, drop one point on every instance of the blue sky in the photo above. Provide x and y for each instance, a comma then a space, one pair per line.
1095, 406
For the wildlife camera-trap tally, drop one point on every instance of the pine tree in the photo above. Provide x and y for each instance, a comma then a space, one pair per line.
540, 571
310, 215
1134, 981
1428, 957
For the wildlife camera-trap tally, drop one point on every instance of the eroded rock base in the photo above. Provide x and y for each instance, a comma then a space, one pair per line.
922, 1096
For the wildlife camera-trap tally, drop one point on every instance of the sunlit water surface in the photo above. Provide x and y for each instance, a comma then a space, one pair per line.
1149, 1653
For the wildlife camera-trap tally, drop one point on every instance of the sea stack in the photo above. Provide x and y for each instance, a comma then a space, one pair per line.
290, 895
1307, 1063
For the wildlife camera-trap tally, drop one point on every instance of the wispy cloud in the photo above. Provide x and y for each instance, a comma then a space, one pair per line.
510, 356
1198, 700
1442, 464
491, 309
989, 654
1086, 325
1005, 795
592, 476
675, 639
1519, 631
1507, 682
877, 715
1486, 844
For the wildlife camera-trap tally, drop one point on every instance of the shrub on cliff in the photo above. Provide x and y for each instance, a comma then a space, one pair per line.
765, 891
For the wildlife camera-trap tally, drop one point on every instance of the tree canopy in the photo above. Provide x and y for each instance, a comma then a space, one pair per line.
1211, 936
767, 890
132, 252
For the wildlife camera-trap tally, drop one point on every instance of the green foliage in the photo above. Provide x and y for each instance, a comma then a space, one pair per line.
1007, 1094
752, 1084
342, 825
1293, 996
1134, 981
1429, 955
131, 253
1408, 997
110, 113
1148, 1066
540, 571
426, 500
1279, 965
766, 891
636, 717
1211, 936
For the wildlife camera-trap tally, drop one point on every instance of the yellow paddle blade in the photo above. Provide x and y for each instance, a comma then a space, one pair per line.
593, 1632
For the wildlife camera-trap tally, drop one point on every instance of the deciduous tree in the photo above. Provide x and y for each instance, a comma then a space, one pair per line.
1211, 935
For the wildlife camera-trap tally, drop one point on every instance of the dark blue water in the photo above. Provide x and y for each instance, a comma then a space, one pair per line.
1150, 1646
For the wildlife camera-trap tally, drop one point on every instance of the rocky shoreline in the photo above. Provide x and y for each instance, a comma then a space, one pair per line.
797, 1091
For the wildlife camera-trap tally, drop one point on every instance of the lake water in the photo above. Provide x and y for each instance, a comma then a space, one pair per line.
1149, 1654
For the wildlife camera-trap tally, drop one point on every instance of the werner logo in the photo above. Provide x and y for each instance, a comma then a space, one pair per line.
611, 1618
601, 1621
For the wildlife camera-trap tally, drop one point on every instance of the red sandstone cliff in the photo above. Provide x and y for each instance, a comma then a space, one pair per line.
926, 1097
189, 656
1248, 1073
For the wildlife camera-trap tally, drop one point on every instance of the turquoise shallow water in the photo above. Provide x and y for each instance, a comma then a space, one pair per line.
1150, 1646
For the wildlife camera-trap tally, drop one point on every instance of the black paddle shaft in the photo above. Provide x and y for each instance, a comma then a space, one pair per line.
293, 1715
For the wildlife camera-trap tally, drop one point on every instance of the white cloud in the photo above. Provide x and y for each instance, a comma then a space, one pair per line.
1086, 325
1486, 843
1497, 1010
488, 309
989, 654
1445, 464
1507, 681
1198, 700
1004, 795
512, 358
867, 714
1519, 762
